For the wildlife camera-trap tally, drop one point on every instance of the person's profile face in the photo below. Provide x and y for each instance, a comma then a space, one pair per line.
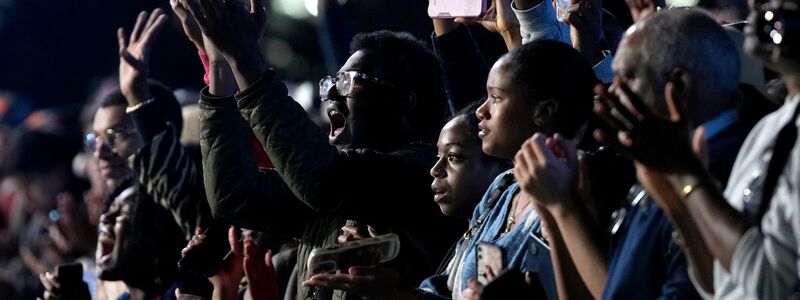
112, 237
506, 115
630, 69
116, 139
460, 175
363, 112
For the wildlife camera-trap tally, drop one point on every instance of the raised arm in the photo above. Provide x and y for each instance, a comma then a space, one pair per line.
552, 182
163, 166
354, 184
238, 192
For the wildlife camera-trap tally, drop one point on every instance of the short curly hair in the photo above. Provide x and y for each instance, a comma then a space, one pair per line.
415, 68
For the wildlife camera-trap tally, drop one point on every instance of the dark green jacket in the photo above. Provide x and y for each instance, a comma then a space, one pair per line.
314, 187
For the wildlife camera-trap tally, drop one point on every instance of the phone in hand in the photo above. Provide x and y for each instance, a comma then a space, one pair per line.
489, 257
209, 256
511, 284
70, 281
365, 252
445, 9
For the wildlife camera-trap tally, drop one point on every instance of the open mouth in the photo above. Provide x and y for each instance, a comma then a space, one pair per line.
338, 122
106, 242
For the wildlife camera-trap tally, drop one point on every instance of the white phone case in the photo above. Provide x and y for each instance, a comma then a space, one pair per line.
445, 9
374, 250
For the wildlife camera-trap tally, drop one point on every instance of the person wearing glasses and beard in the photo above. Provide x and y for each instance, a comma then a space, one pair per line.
386, 106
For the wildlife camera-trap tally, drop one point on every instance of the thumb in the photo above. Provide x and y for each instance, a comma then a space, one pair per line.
699, 145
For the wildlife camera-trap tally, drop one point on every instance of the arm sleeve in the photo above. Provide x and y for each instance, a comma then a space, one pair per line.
364, 185
464, 66
170, 176
164, 167
765, 262
540, 23
238, 192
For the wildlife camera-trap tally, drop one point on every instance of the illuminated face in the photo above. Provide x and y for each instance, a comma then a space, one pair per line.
506, 116
461, 174
113, 139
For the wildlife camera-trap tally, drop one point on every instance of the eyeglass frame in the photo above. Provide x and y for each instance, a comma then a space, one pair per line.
90, 140
332, 82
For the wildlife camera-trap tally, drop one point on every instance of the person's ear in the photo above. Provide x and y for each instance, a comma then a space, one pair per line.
677, 92
544, 112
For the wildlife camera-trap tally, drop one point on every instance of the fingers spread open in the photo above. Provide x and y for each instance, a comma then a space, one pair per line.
139, 26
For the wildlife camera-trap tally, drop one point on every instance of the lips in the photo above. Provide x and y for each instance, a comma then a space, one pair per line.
439, 193
482, 130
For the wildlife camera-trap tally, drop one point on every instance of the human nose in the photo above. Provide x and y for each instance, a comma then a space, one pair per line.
437, 171
483, 111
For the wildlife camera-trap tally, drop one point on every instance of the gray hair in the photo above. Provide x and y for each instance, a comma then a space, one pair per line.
692, 40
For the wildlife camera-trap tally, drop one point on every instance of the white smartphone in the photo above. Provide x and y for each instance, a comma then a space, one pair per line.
366, 252
446, 9
489, 257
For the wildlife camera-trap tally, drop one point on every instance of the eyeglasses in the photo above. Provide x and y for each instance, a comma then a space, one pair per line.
344, 83
111, 139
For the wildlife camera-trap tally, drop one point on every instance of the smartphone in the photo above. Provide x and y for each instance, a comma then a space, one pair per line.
208, 257
69, 273
446, 9
489, 257
70, 281
366, 252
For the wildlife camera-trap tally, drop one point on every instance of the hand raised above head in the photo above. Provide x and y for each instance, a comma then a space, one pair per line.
585, 20
235, 29
134, 55
500, 19
188, 23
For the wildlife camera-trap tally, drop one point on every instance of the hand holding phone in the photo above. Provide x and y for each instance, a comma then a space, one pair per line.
366, 252
490, 262
207, 257
445, 9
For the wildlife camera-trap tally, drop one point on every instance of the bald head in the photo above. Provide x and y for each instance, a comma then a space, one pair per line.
686, 45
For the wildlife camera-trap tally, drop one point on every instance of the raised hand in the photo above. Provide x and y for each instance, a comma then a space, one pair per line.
546, 168
134, 55
262, 283
226, 281
641, 9
585, 20
661, 144
500, 19
188, 23
235, 30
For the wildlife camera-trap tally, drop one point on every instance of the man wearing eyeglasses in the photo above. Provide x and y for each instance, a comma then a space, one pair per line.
386, 106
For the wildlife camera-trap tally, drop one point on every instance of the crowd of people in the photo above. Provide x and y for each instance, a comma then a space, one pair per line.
601, 157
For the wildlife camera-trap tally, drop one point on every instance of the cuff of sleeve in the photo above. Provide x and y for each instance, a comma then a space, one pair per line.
257, 89
540, 22
744, 254
210, 101
150, 120
700, 291
535, 17
451, 37
603, 69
